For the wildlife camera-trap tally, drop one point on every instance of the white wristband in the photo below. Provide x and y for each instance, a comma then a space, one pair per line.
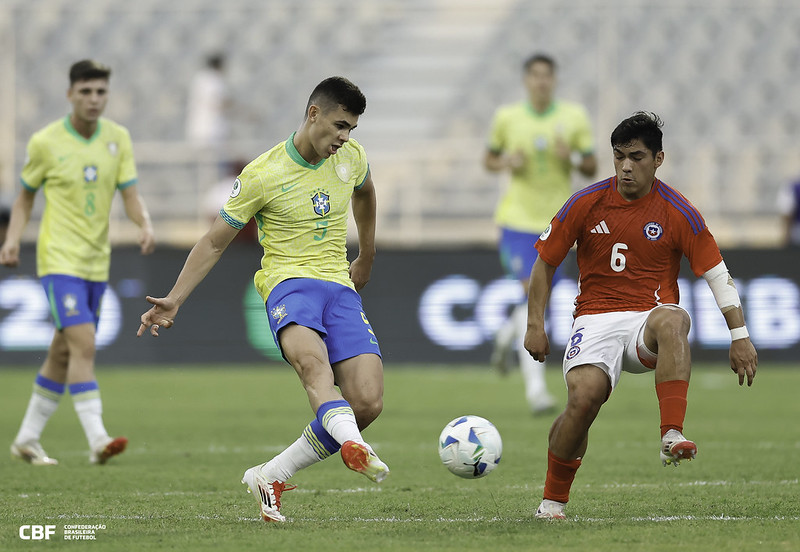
739, 333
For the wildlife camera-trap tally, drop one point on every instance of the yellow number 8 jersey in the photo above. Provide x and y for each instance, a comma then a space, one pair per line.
79, 177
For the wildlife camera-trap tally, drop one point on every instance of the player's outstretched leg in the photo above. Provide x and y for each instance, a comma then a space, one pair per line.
339, 421
675, 447
267, 491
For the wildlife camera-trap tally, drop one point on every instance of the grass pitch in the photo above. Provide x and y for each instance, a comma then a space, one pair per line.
193, 431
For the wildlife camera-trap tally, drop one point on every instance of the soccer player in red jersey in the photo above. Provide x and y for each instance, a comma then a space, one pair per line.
631, 231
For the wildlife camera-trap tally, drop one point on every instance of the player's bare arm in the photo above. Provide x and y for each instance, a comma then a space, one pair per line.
541, 283
364, 209
202, 258
743, 357
136, 210
20, 215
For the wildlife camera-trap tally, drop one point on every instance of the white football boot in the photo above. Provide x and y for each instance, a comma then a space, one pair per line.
550, 509
33, 453
675, 447
267, 492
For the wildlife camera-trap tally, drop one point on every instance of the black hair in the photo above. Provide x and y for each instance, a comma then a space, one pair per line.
642, 125
336, 91
539, 58
88, 69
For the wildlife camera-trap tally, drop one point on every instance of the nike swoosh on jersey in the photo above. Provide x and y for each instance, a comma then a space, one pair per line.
285, 188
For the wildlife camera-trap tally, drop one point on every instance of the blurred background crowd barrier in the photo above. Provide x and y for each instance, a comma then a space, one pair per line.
722, 74
426, 306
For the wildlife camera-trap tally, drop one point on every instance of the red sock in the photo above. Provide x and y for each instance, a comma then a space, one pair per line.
560, 474
672, 403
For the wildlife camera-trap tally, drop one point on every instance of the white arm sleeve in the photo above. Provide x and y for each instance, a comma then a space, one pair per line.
723, 288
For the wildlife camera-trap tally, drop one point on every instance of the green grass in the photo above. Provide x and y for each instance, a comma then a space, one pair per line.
193, 431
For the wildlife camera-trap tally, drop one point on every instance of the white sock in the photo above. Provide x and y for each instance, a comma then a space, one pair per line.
532, 370
339, 421
294, 458
90, 413
39, 411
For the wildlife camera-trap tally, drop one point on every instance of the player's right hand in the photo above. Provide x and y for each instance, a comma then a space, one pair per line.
162, 315
9, 254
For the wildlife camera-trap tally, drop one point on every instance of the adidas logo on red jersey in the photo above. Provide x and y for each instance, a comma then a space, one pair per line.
601, 228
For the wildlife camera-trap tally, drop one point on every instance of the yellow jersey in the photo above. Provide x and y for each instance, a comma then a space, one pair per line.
79, 177
301, 212
539, 190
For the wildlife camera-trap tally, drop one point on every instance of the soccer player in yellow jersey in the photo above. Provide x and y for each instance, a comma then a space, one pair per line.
535, 141
299, 193
80, 161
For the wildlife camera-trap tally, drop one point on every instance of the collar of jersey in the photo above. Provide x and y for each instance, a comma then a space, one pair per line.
78, 135
297, 158
545, 113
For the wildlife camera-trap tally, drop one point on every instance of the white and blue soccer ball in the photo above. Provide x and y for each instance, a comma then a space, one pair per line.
470, 447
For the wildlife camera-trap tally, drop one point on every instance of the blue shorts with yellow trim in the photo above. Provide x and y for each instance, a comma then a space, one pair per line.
73, 300
332, 310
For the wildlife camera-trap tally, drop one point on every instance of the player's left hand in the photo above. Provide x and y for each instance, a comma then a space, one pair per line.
744, 360
147, 240
360, 271
162, 315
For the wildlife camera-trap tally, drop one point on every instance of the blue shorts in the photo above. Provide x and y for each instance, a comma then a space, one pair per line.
73, 300
332, 310
517, 253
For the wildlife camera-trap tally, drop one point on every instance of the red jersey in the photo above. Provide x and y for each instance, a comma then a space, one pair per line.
629, 252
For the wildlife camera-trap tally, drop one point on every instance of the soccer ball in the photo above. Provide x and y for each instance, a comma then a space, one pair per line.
470, 447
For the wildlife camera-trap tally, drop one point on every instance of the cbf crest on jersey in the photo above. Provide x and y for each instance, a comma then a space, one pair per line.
653, 231
321, 202
90, 173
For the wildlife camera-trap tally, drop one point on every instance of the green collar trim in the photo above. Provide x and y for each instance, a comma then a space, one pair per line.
545, 113
297, 158
78, 135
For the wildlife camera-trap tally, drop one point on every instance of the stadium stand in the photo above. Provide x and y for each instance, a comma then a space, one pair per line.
720, 73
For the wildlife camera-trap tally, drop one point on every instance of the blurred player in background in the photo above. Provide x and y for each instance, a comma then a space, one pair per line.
632, 231
208, 105
789, 208
299, 192
83, 159
535, 141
